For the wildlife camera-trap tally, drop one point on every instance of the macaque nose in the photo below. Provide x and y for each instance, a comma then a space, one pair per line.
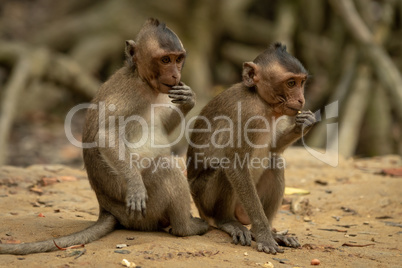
176, 76
301, 102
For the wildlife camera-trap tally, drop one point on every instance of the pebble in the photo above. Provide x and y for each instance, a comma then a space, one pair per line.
315, 262
122, 251
126, 263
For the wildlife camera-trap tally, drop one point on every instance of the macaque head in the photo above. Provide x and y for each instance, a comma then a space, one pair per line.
157, 54
278, 78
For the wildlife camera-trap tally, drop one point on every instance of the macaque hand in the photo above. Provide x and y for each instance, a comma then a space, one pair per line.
136, 199
182, 95
305, 120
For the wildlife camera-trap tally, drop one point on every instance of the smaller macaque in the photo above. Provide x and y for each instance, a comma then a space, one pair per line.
249, 123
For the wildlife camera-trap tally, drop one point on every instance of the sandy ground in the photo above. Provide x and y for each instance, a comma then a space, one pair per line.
348, 206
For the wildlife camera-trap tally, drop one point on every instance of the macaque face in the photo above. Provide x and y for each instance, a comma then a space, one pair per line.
281, 89
169, 68
160, 63
290, 93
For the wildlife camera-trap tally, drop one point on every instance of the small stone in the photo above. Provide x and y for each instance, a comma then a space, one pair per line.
121, 245
268, 265
122, 251
126, 263
315, 262
245, 254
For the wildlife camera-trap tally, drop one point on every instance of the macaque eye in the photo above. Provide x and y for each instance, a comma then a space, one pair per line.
291, 83
165, 59
180, 59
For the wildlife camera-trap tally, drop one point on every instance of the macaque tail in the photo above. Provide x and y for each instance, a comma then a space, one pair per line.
104, 225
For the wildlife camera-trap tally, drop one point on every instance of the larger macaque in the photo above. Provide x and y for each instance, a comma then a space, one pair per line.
235, 170
126, 133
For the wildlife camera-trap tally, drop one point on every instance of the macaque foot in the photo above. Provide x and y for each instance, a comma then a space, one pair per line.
266, 243
199, 226
238, 232
196, 226
282, 239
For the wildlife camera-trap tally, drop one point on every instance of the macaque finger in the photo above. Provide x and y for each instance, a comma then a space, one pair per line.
242, 239
144, 212
179, 97
187, 88
180, 101
235, 239
181, 91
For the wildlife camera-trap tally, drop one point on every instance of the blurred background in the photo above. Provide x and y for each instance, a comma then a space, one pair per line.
55, 54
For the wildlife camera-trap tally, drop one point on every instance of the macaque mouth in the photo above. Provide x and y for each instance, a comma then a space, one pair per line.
168, 85
293, 109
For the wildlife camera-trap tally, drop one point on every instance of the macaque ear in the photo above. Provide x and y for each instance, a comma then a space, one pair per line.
130, 52
250, 77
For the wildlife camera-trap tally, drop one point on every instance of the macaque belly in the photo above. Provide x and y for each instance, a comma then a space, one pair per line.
153, 146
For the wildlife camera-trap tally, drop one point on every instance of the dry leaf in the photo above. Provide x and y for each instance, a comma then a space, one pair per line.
290, 191
67, 178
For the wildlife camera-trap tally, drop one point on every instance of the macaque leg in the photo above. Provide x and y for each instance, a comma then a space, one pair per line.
168, 202
271, 188
153, 221
215, 199
168, 191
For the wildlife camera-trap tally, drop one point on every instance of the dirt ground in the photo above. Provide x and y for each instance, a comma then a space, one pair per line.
352, 217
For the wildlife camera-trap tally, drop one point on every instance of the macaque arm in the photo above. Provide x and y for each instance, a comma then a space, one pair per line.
303, 123
286, 138
184, 98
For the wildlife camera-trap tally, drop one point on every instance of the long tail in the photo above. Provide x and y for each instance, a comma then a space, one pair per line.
104, 225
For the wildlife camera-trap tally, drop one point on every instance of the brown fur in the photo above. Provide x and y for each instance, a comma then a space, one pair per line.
231, 195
